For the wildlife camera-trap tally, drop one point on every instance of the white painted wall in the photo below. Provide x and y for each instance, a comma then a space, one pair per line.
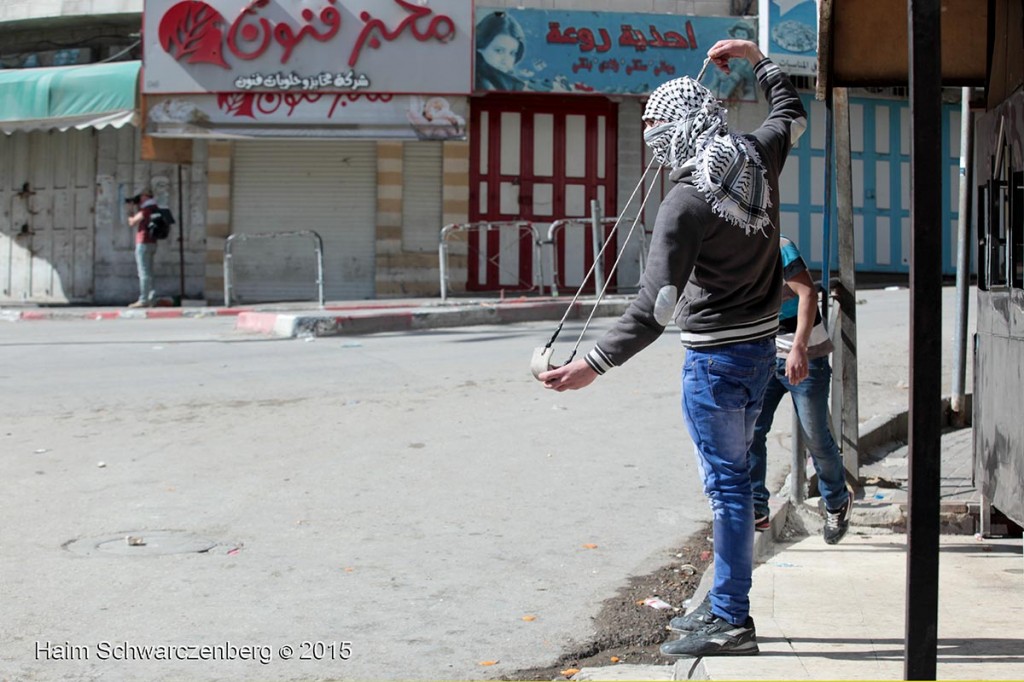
19, 10
691, 7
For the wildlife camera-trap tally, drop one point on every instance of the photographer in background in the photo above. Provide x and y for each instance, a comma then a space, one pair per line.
142, 206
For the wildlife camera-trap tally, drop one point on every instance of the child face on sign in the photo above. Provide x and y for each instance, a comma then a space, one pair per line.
501, 52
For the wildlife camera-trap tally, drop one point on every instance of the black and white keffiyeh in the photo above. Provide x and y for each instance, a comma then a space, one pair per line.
727, 169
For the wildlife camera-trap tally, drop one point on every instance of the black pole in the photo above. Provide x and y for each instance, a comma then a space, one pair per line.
925, 351
181, 240
826, 242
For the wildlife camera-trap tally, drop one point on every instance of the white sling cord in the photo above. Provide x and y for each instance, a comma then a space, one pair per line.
597, 257
541, 360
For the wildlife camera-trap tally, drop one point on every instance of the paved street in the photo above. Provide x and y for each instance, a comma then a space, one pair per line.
415, 495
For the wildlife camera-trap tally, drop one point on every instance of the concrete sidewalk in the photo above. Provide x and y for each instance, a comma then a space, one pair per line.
839, 612
348, 317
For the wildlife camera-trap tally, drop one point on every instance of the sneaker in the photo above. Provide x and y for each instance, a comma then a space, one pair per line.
695, 619
139, 304
717, 638
837, 522
762, 522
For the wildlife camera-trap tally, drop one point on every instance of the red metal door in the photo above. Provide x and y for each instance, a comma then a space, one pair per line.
537, 158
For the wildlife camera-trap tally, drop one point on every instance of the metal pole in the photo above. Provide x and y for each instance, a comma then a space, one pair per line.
598, 239
963, 258
847, 293
826, 242
924, 30
181, 239
557, 225
442, 257
318, 245
227, 271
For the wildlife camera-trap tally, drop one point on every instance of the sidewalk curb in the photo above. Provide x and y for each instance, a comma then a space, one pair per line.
330, 323
156, 313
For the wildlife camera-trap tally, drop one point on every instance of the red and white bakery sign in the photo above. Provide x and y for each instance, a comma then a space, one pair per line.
393, 46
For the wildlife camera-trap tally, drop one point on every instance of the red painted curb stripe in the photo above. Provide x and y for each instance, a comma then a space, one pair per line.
258, 322
163, 314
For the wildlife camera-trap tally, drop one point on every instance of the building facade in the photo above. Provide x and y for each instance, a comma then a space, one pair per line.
415, 131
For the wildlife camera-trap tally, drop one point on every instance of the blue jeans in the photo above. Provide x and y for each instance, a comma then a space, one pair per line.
810, 400
722, 391
144, 254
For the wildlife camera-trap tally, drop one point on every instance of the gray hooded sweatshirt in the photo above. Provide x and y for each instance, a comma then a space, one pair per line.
731, 282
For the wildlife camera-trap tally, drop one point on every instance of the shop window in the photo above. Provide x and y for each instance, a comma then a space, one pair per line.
983, 227
1016, 230
1000, 207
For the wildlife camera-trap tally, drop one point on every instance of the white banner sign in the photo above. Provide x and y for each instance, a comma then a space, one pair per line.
356, 46
307, 115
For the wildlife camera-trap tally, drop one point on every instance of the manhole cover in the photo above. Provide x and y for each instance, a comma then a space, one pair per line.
141, 543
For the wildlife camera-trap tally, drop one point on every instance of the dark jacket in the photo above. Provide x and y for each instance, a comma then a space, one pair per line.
730, 282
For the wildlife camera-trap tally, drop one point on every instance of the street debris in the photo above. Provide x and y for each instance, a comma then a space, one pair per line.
688, 569
880, 482
569, 672
589, 545
656, 603
529, 619
488, 663
101, 465
134, 541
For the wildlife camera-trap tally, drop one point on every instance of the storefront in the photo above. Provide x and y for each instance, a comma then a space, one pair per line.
556, 127
69, 155
331, 120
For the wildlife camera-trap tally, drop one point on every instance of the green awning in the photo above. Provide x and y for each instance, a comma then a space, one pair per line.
63, 97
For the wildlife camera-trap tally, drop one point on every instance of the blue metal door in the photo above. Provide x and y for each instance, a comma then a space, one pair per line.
880, 142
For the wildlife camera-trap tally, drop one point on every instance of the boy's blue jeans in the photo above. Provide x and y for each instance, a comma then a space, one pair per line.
810, 400
722, 391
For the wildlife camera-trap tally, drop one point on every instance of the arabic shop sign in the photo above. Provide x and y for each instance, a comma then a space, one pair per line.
598, 52
789, 34
307, 115
366, 46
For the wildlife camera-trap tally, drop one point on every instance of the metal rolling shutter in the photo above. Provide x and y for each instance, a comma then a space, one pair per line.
326, 186
422, 196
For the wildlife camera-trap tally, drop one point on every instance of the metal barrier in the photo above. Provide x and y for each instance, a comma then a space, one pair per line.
586, 223
318, 245
484, 227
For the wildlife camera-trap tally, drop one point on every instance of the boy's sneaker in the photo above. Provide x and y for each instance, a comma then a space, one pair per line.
717, 638
837, 522
695, 619
761, 521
